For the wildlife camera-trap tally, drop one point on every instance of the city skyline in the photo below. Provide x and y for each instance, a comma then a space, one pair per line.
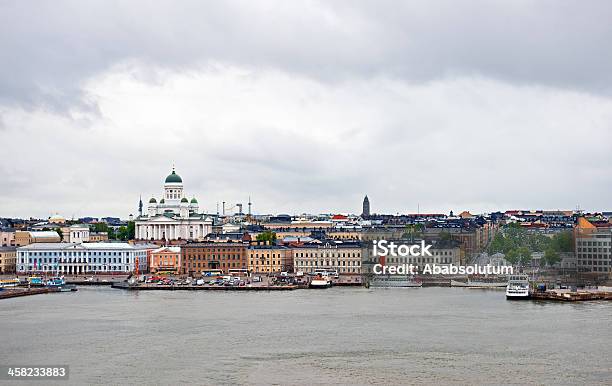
422, 108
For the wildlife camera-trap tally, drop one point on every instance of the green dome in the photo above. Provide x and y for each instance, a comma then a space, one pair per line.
194, 201
184, 200
174, 178
162, 201
152, 200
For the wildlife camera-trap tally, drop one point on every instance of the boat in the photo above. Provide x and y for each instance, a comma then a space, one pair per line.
392, 281
35, 281
478, 284
518, 287
56, 282
9, 283
67, 288
320, 281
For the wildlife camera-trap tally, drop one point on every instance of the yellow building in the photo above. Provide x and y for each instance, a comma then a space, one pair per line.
23, 238
265, 258
97, 237
8, 259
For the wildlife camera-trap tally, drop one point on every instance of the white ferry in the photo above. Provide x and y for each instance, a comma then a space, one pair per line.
518, 287
320, 281
389, 281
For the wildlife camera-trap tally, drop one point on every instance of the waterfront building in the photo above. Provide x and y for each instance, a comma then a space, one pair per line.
174, 217
264, 257
72, 258
165, 259
8, 259
343, 257
592, 242
197, 258
29, 237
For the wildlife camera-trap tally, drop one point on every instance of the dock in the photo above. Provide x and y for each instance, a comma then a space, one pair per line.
8, 293
205, 287
565, 295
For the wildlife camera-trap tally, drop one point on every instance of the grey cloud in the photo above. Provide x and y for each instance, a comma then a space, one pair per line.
48, 49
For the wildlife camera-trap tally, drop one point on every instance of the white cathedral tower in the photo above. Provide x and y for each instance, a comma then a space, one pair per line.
174, 216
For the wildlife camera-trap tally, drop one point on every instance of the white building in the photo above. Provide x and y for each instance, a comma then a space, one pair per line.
77, 233
174, 216
72, 258
342, 257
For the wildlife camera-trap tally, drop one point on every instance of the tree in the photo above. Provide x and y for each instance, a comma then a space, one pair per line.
122, 233
512, 256
524, 255
131, 227
551, 256
413, 230
563, 242
445, 236
267, 236
100, 227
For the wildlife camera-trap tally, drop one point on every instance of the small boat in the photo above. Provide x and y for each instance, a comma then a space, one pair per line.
395, 281
35, 281
9, 283
518, 287
67, 288
56, 282
478, 284
320, 281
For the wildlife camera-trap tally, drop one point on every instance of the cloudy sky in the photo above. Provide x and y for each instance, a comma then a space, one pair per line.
306, 105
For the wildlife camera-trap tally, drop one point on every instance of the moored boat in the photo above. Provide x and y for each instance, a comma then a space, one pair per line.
9, 283
518, 287
320, 281
395, 281
67, 288
35, 281
56, 282
478, 284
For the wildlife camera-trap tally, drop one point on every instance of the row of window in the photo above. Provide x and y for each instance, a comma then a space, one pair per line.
215, 257
593, 243
328, 254
594, 256
101, 260
71, 254
329, 263
593, 262
421, 260
205, 265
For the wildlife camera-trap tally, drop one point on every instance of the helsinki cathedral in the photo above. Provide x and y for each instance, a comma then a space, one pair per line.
174, 216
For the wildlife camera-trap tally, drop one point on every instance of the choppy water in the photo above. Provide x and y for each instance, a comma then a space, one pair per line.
318, 337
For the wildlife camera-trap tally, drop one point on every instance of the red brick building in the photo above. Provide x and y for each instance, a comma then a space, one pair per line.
199, 257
